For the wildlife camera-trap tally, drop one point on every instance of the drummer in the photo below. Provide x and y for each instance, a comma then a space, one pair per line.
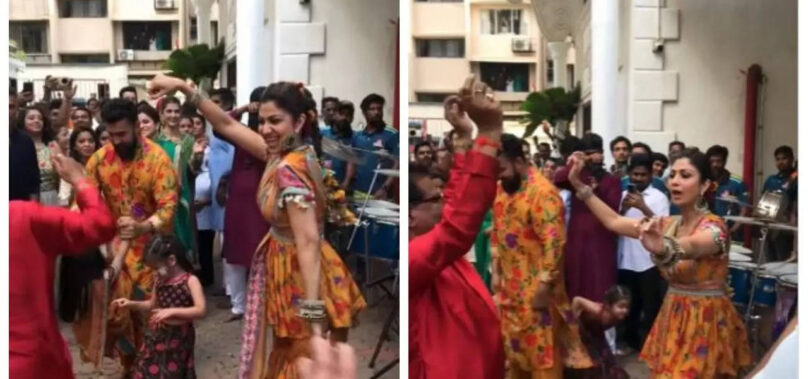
781, 244
726, 184
340, 130
376, 136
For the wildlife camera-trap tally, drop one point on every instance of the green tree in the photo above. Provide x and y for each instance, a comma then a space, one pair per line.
199, 63
555, 105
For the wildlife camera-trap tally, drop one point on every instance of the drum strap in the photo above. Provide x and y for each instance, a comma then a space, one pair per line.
695, 292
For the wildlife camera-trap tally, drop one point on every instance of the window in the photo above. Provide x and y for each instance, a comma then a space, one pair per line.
214, 32
507, 77
31, 37
84, 8
85, 58
153, 36
423, 97
503, 21
440, 48
550, 73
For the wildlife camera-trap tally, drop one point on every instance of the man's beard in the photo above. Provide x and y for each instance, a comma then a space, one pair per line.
342, 128
376, 123
596, 169
126, 151
512, 185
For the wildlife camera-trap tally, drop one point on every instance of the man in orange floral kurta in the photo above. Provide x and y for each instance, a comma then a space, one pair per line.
540, 331
139, 185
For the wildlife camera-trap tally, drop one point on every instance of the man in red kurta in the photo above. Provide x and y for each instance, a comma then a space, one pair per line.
454, 326
36, 235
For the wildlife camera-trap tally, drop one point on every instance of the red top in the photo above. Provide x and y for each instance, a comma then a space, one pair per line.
37, 234
454, 326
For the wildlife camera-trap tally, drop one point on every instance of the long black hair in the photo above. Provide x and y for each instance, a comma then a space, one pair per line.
699, 160
74, 137
48, 133
255, 96
298, 102
163, 246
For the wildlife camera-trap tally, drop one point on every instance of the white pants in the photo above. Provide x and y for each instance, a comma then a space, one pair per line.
235, 280
611, 337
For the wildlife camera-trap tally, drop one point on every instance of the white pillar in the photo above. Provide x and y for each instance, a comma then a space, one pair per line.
605, 32
249, 46
558, 53
203, 34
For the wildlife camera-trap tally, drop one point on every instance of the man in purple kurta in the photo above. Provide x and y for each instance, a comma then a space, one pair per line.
590, 255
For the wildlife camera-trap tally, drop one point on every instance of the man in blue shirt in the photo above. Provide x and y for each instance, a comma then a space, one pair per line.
728, 185
376, 136
340, 131
781, 244
329, 106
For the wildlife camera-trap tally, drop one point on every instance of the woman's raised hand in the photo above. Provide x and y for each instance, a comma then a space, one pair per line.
162, 84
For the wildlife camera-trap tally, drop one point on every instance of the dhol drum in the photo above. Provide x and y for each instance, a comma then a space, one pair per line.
765, 291
378, 231
786, 301
780, 268
740, 278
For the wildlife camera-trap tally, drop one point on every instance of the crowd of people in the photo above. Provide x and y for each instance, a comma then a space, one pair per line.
136, 194
550, 265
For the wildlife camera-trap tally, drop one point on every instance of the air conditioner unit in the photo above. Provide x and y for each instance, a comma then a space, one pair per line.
521, 45
164, 5
126, 55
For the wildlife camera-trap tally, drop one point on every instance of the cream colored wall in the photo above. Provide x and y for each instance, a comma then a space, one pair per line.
438, 74
438, 20
20, 10
83, 36
718, 41
139, 10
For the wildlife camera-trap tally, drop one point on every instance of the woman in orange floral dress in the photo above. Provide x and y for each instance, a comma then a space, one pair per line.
698, 333
298, 284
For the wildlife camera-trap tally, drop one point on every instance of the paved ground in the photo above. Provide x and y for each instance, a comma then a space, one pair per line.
218, 343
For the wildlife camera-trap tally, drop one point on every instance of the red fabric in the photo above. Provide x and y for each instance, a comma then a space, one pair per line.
37, 234
454, 326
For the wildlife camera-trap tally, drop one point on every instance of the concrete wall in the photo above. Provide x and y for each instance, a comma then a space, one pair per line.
140, 10
438, 20
83, 36
23, 10
438, 74
85, 77
359, 52
718, 41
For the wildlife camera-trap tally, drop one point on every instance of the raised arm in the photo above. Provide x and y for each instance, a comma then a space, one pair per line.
62, 231
222, 123
470, 191
604, 212
473, 188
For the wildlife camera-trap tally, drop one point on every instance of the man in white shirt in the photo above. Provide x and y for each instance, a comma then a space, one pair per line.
635, 268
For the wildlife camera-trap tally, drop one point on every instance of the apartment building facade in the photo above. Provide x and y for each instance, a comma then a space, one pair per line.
497, 40
116, 42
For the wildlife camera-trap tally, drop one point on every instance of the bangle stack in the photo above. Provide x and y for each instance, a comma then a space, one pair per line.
671, 253
584, 193
197, 98
312, 310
